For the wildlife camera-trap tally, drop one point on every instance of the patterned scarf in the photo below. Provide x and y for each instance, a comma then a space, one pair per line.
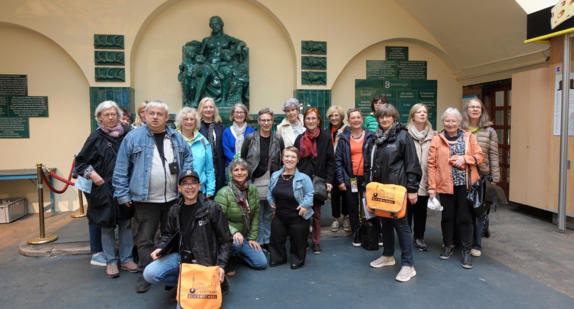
239, 132
309, 143
113, 131
211, 139
240, 192
381, 137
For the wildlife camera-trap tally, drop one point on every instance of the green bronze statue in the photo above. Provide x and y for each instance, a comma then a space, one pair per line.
218, 68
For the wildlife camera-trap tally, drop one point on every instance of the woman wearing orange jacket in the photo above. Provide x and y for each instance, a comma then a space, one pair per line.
450, 152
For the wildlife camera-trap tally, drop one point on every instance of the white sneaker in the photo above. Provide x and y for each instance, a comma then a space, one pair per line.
335, 226
406, 273
383, 261
98, 259
346, 226
475, 252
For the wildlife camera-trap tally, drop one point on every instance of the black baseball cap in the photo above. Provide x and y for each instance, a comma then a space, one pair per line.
188, 173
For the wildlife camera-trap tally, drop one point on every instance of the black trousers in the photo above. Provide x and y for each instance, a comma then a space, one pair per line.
149, 216
338, 203
353, 203
456, 210
418, 212
298, 233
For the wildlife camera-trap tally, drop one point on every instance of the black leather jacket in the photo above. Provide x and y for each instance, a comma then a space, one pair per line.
250, 151
395, 161
211, 238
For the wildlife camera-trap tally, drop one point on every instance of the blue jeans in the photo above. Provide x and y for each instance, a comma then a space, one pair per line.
255, 259
265, 218
404, 236
126, 242
164, 270
95, 239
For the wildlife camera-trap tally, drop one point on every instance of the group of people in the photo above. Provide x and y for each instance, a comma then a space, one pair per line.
235, 193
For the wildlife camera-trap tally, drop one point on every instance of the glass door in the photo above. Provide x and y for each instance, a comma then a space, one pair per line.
501, 109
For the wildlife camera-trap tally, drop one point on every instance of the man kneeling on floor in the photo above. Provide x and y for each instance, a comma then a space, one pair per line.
201, 223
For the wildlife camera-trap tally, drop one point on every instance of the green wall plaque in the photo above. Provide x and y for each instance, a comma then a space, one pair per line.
313, 63
381, 69
313, 78
24, 106
412, 70
313, 48
110, 74
3, 106
13, 84
14, 128
397, 53
108, 41
109, 57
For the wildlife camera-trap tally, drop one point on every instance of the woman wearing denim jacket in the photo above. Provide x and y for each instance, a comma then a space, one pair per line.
290, 194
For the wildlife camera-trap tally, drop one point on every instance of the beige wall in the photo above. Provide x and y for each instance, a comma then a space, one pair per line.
53, 140
449, 90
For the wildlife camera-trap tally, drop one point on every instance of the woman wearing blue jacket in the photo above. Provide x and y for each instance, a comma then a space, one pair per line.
186, 123
233, 136
290, 194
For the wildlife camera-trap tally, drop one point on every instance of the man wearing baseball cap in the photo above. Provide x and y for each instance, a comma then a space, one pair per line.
200, 221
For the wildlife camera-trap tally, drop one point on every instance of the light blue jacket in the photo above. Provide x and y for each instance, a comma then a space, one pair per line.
203, 162
302, 190
134, 159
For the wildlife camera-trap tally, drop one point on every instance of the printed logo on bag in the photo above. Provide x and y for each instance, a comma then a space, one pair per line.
202, 222
385, 197
201, 290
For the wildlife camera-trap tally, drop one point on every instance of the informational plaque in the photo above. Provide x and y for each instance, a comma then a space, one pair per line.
381, 69
11, 85
28, 107
14, 128
397, 53
412, 70
3, 106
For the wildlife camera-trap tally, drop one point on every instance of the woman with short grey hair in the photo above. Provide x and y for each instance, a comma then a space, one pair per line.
292, 124
476, 120
96, 161
234, 136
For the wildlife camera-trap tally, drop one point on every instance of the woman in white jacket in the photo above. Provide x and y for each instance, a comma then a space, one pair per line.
292, 124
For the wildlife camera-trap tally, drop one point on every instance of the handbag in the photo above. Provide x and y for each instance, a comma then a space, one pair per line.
198, 286
320, 188
369, 234
389, 201
477, 192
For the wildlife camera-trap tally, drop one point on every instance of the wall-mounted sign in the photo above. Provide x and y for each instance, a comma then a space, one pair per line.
392, 69
14, 128
13, 84
397, 53
549, 22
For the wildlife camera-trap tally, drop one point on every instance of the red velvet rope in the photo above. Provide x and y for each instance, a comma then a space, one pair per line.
67, 182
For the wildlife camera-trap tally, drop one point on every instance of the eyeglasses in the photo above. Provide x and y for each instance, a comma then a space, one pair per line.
335, 116
311, 118
152, 114
266, 120
239, 112
192, 184
109, 115
474, 107
450, 122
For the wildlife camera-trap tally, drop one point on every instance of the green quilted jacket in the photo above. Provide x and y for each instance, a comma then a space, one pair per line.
232, 211
370, 123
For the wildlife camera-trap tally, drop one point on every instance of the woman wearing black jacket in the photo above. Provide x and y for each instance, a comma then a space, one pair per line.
212, 128
392, 159
96, 161
317, 160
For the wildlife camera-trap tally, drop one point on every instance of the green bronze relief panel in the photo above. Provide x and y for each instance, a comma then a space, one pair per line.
104, 74
108, 41
109, 58
313, 48
313, 78
313, 63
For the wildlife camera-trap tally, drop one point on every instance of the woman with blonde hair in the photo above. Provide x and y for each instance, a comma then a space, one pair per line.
140, 115
420, 129
211, 127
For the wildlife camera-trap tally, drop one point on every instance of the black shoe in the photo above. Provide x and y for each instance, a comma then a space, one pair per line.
265, 248
356, 240
230, 269
225, 286
142, 286
420, 243
296, 266
307, 245
275, 264
446, 253
173, 296
317, 249
380, 240
466, 260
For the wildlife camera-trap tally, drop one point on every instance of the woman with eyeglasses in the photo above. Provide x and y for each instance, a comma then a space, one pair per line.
292, 124
240, 204
452, 152
317, 160
233, 136
476, 120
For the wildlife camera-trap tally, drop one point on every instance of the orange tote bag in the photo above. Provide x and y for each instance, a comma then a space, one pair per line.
198, 287
389, 201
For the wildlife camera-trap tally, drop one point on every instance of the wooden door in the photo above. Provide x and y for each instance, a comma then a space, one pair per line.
501, 109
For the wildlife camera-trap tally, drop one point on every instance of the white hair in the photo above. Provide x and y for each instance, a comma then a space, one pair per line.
182, 113
105, 105
158, 104
450, 111
291, 103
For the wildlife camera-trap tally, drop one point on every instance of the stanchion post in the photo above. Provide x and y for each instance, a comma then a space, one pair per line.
43, 238
81, 200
